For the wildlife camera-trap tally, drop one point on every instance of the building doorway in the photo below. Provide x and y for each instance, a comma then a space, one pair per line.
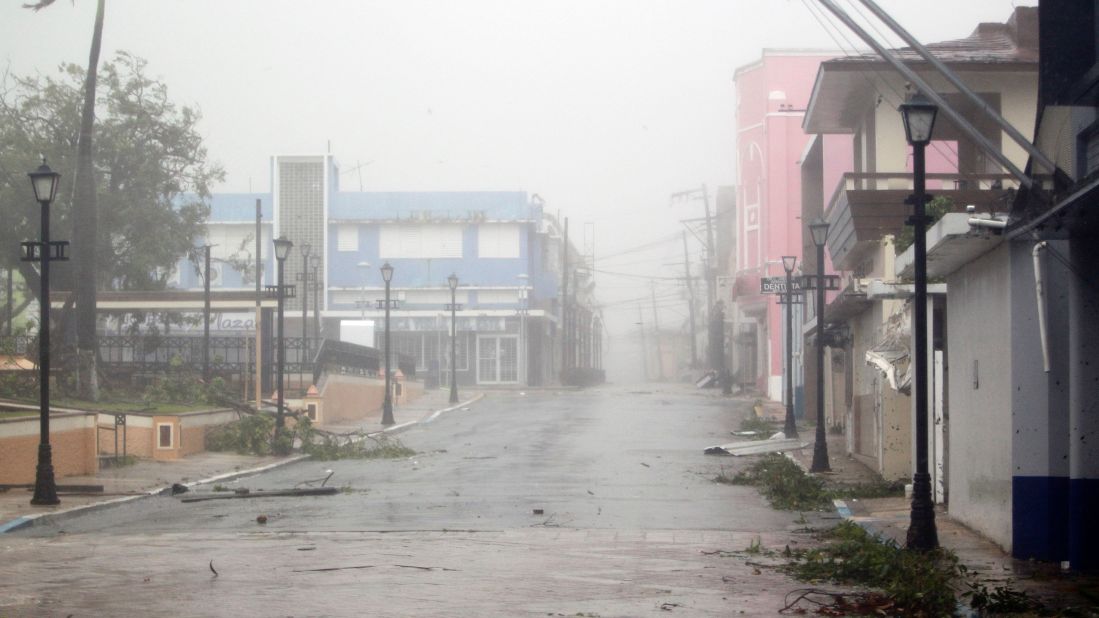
497, 359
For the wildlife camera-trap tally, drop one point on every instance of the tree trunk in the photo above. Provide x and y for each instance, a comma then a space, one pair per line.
85, 232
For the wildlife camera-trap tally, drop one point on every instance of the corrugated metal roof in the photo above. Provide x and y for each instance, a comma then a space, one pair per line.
990, 43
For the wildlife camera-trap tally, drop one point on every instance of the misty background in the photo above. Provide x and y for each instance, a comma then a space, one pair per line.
602, 108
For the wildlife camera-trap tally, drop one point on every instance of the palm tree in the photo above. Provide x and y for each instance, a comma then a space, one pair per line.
85, 220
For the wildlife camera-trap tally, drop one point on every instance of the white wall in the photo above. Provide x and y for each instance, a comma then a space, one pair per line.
978, 310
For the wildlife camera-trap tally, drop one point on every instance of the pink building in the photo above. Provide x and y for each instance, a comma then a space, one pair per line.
772, 95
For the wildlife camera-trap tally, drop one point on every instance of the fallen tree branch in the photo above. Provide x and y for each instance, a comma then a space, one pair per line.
291, 493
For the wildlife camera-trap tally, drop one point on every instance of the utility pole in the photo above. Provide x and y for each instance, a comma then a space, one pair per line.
656, 327
711, 256
259, 309
565, 300
8, 313
690, 302
644, 350
206, 317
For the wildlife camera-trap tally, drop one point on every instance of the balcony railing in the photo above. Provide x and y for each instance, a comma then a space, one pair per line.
865, 207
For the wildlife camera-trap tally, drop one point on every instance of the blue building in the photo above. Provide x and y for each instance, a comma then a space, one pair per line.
506, 252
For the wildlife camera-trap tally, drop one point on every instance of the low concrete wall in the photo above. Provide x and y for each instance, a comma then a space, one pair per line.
349, 399
72, 438
188, 433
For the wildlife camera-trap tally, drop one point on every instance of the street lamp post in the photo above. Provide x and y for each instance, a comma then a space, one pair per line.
819, 230
306, 249
452, 281
316, 288
206, 313
364, 268
791, 428
919, 120
45, 181
282, 251
523, 309
387, 402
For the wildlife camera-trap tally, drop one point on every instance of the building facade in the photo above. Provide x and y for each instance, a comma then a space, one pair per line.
514, 325
771, 95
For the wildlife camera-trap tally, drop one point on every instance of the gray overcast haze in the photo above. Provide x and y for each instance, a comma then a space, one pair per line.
603, 108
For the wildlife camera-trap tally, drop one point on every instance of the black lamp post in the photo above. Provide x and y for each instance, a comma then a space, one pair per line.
45, 181
819, 230
524, 309
387, 403
316, 288
919, 121
282, 251
306, 248
791, 428
206, 314
452, 281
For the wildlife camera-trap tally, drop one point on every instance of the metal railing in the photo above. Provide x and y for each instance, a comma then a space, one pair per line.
141, 357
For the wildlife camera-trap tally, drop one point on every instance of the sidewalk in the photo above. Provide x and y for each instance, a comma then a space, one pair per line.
889, 518
147, 477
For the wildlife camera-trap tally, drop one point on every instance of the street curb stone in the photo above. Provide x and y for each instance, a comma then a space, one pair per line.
25, 521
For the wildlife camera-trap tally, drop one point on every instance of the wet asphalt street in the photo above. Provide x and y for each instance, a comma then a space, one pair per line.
630, 524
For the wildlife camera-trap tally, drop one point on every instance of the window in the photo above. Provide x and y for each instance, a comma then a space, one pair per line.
347, 237
420, 241
498, 240
164, 435
311, 412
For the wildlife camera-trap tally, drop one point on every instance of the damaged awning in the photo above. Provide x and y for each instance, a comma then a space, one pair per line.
890, 354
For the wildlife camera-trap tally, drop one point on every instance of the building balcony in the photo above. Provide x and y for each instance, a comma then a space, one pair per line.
867, 207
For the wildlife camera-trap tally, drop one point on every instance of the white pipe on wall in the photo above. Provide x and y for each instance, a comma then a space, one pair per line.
1040, 292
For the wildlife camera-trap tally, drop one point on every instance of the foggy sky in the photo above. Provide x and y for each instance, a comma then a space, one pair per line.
603, 108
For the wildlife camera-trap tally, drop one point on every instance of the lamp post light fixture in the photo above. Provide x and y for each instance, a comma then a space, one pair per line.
452, 281
918, 114
44, 181
790, 428
819, 231
387, 402
282, 251
306, 249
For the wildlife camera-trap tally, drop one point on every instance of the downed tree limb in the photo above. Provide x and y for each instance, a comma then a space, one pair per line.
289, 493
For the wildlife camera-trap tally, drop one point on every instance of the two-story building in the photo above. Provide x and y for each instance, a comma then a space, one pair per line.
971, 382
506, 252
771, 97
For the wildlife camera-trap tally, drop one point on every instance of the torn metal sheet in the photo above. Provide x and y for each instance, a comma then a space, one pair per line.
756, 447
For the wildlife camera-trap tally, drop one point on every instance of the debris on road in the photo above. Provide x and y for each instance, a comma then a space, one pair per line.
212, 569
758, 447
539, 511
327, 569
323, 480
261, 519
646, 465
308, 491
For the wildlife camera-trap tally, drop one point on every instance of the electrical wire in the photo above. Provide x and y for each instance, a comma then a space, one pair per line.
828, 27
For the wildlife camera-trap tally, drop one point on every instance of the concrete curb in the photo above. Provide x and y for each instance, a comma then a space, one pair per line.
37, 518
30, 520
